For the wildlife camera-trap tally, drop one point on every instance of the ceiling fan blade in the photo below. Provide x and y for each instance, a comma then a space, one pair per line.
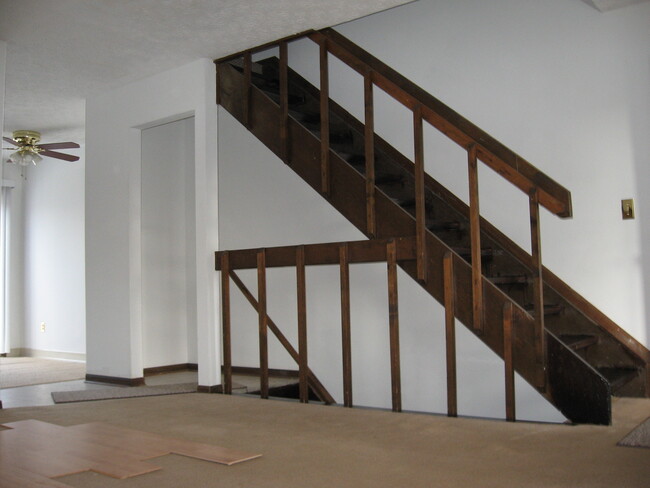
58, 155
59, 145
10, 141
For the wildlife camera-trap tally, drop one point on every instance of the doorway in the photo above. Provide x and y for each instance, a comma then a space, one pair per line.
168, 245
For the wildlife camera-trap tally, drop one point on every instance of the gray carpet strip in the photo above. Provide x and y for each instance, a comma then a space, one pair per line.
639, 437
127, 392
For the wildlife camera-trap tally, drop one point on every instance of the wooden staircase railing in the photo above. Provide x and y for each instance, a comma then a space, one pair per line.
479, 145
343, 254
541, 190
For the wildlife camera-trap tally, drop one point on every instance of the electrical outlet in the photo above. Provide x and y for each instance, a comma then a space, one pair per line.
42, 326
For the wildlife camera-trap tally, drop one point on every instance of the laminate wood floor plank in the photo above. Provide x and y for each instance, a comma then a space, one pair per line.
33, 452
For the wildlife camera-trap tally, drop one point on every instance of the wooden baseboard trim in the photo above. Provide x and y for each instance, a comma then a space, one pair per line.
282, 373
115, 380
210, 389
171, 368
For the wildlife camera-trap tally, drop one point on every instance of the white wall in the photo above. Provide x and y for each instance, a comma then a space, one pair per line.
168, 319
114, 121
53, 212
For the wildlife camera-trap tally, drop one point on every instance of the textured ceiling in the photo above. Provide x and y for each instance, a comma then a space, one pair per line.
606, 5
60, 51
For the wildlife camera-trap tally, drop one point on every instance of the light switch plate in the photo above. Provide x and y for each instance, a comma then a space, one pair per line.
627, 209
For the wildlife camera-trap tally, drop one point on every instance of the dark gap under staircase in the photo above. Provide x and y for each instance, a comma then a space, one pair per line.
586, 362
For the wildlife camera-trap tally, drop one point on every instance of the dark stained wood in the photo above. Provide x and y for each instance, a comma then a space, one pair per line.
500, 158
261, 310
475, 236
369, 138
508, 361
393, 319
567, 391
420, 208
348, 191
248, 85
169, 368
366, 251
346, 333
314, 382
302, 323
263, 47
284, 103
115, 380
450, 333
218, 81
324, 120
538, 284
225, 324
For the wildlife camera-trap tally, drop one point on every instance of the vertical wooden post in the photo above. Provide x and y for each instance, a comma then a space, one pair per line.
263, 325
247, 92
225, 322
302, 323
324, 120
538, 284
508, 361
369, 137
420, 206
475, 235
219, 83
393, 318
284, 103
346, 333
450, 333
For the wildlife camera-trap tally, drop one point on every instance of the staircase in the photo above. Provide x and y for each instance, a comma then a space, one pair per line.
562, 345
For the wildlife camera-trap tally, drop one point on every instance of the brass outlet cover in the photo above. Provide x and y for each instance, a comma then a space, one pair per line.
627, 209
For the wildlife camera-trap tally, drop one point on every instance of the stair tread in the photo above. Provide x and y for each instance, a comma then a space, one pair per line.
549, 309
618, 377
445, 225
509, 279
579, 341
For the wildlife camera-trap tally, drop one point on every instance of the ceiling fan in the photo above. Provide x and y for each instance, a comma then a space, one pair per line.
29, 151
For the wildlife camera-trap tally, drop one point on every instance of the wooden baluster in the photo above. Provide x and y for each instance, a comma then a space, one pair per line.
393, 318
508, 361
538, 285
369, 137
284, 104
475, 235
248, 91
225, 323
261, 310
346, 333
324, 120
219, 83
450, 334
420, 206
303, 367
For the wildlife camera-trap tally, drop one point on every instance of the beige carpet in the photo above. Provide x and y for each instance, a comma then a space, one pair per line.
37, 371
320, 446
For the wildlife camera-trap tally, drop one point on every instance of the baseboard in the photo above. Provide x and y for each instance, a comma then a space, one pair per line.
248, 371
39, 353
115, 380
171, 368
209, 389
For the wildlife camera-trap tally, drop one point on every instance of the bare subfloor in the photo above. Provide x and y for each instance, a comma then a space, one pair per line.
320, 446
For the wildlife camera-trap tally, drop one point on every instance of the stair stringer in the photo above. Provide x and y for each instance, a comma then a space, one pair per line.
579, 392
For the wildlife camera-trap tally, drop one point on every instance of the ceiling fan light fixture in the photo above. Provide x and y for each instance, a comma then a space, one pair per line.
24, 157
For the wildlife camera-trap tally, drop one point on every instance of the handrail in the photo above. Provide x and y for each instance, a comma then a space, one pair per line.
503, 160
